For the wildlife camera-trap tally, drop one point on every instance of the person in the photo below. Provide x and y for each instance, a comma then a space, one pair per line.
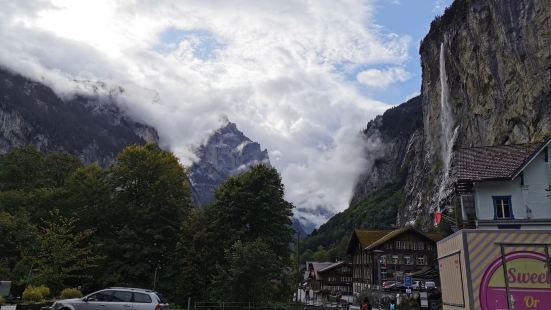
366, 305
392, 305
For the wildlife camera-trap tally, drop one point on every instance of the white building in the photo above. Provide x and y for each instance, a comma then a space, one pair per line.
506, 186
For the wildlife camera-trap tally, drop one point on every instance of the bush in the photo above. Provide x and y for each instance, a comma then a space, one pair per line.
32, 294
44, 291
2, 300
36, 294
69, 293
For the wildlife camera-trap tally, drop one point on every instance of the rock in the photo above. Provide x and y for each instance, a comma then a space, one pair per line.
90, 126
226, 153
497, 58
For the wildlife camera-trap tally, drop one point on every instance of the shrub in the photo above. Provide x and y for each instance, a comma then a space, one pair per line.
32, 294
44, 291
69, 293
2, 300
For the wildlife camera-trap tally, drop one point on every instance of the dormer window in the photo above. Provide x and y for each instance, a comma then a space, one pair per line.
502, 208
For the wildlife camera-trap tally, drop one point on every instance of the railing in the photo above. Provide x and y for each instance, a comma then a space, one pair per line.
309, 305
224, 305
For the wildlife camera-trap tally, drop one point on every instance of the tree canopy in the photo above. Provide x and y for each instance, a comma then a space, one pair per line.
66, 224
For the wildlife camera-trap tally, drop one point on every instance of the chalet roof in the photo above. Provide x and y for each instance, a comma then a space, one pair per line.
494, 163
332, 266
365, 237
395, 233
317, 266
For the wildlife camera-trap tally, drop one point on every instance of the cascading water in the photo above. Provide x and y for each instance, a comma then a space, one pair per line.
448, 133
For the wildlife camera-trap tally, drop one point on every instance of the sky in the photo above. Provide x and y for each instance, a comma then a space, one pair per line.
301, 77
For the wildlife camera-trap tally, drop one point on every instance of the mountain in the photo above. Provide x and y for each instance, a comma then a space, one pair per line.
486, 80
90, 126
226, 152
396, 148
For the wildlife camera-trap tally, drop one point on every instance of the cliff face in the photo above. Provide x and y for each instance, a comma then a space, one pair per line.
486, 80
92, 127
227, 152
390, 135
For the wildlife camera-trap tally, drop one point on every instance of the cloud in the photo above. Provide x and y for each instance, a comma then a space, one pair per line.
273, 67
382, 78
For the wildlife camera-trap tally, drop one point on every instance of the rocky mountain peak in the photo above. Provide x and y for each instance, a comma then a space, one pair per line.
227, 152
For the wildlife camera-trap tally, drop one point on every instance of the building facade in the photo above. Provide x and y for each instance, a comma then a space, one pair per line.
504, 187
379, 256
337, 278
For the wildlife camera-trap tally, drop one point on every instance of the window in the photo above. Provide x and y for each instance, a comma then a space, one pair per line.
388, 246
101, 296
122, 296
382, 260
421, 260
395, 259
142, 298
502, 207
161, 298
402, 245
407, 260
418, 246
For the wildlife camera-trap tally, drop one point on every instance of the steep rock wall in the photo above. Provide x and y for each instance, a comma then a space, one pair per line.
486, 80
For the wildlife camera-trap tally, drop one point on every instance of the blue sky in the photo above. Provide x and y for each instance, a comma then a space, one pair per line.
412, 18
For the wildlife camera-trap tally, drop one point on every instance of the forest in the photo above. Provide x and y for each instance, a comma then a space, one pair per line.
64, 225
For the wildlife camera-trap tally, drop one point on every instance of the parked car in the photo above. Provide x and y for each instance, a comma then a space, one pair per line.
429, 285
388, 284
393, 286
417, 285
115, 298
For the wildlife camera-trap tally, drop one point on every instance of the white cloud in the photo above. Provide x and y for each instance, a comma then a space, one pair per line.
382, 78
274, 71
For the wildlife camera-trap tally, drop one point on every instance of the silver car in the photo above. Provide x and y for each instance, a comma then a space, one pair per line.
115, 298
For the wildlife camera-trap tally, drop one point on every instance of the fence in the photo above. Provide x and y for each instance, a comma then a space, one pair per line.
267, 306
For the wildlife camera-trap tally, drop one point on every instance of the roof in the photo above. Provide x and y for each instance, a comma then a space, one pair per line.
332, 266
395, 233
365, 237
494, 163
317, 267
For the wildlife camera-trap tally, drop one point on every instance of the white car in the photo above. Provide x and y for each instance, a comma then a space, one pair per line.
115, 298
429, 285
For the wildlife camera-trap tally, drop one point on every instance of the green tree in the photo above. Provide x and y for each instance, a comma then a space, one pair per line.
17, 237
251, 206
64, 257
251, 214
198, 253
151, 196
253, 273
27, 168
21, 169
89, 199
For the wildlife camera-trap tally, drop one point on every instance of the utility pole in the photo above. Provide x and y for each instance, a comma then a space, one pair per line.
298, 267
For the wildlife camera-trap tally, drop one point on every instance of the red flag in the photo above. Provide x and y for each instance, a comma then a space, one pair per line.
437, 217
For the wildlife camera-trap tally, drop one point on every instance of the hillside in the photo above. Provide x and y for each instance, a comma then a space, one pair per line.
377, 211
92, 127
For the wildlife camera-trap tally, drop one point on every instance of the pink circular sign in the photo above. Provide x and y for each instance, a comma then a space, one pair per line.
529, 283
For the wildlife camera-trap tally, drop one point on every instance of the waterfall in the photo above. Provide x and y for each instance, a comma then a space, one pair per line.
448, 133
